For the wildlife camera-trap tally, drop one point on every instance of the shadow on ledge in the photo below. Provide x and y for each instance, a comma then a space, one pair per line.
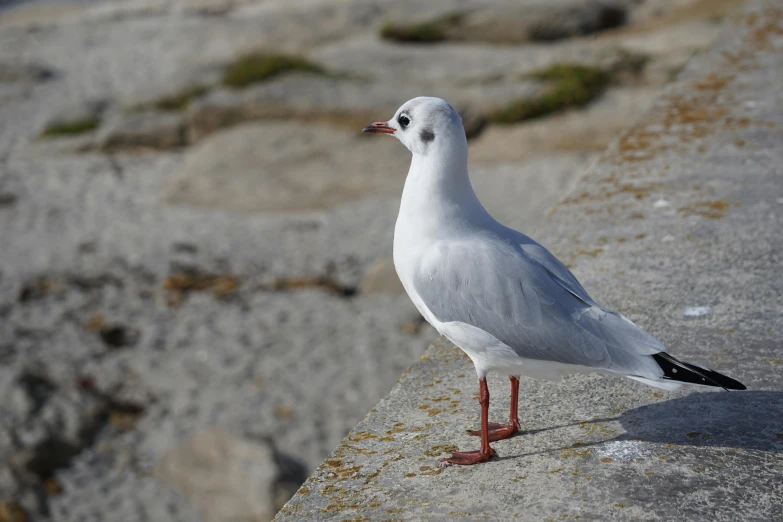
751, 420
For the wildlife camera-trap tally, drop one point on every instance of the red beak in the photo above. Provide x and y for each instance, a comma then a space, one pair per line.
379, 127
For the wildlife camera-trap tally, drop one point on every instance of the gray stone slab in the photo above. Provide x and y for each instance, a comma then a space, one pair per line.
679, 226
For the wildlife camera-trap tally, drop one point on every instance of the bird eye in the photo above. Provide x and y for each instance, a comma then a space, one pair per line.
404, 121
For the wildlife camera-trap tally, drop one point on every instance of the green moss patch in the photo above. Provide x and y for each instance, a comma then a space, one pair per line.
72, 127
569, 86
258, 67
179, 100
426, 32
431, 31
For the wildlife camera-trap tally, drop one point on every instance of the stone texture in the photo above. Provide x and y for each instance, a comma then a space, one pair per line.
225, 477
288, 167
346, 103
143, 130
538, 21
24, 73
683, 210
381, 278
146, 323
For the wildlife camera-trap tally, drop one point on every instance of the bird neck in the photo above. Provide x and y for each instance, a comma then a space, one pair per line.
438, 190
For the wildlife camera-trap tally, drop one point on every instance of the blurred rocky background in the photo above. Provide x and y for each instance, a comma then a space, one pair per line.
197, 299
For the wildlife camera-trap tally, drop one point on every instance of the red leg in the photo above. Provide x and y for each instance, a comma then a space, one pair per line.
504, 431
483, 454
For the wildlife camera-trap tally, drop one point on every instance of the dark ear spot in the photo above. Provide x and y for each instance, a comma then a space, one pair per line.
427, 135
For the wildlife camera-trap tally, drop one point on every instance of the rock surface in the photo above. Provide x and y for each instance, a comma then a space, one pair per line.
143, 130
381, 278
288, 166
678, 226
225, 477
137, 312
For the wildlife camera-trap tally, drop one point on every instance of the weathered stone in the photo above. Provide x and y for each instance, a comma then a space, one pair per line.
347, 103
227, 478
586, 130
89, 111
85, 234
381, 278
609, 448
143, 130
24, 73
287, 166
538, 21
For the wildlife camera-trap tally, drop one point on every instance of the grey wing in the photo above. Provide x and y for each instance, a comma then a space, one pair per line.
501, 289
550, 263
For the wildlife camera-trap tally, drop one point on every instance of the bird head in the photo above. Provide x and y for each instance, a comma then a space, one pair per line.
424, 124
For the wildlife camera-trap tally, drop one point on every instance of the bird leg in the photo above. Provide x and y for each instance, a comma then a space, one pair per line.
504, 431
483, 454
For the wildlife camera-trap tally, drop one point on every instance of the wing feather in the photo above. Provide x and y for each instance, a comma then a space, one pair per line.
523, 296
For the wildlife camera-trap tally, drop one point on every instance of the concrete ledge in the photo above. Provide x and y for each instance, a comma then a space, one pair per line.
679, 226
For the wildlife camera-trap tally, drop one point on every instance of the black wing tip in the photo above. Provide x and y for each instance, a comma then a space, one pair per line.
676, 370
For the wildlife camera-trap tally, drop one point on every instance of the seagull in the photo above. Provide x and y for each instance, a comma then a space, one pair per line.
501, 297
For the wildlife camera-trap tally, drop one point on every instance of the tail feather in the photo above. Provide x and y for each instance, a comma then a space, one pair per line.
675, 370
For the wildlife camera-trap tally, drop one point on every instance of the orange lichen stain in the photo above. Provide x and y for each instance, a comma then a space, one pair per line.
663, 457
588, 253
181, 283
606, 460
707, 209
771, 26
712, 81
640, 236
429, 470
438, 449
637, 215
568, 452
358, 451
397, 427
361, 435
726, 330
94, 323
459, 353
281, 411
438, 399
334, 463
339, 506
434, 412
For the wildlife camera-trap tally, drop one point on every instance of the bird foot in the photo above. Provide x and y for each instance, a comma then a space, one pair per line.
466, 458
497, 431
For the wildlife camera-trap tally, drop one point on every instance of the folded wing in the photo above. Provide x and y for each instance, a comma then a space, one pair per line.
523, 296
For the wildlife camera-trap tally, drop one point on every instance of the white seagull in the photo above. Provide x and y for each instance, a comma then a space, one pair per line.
501, 297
